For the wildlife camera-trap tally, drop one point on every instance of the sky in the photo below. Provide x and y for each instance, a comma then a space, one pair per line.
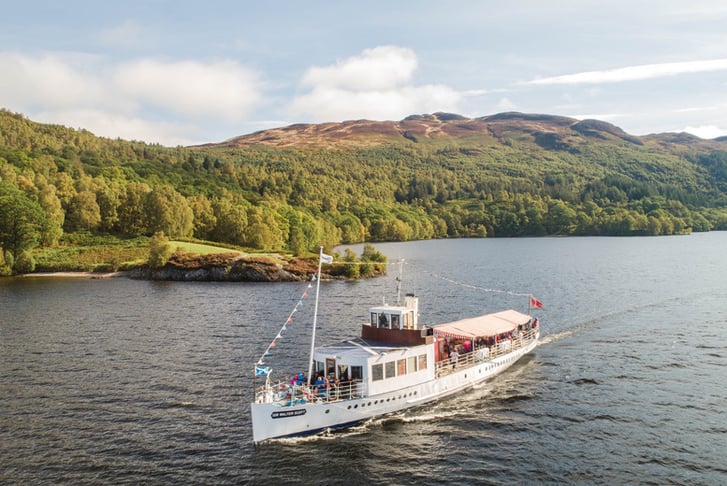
188, 72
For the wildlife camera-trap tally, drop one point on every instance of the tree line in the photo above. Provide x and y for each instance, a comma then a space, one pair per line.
55, 180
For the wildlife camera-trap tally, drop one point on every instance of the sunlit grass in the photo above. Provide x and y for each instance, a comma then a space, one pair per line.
199, 248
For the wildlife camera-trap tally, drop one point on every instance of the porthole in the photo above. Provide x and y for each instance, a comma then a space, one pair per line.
328, 410
349, 407
355, 406
369, 404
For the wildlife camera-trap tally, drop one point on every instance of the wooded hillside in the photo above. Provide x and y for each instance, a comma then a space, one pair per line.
295, 188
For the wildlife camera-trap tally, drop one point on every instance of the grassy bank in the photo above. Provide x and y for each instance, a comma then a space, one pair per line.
78, 252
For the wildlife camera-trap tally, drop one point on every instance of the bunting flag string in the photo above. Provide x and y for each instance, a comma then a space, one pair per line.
261, 370
533, 302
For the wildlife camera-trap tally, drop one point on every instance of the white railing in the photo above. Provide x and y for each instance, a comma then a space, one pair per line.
285, 394
486, 353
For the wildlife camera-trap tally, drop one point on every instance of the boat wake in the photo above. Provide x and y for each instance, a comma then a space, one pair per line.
552, 338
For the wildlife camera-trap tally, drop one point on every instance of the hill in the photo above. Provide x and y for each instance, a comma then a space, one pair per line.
295, 188
546, 131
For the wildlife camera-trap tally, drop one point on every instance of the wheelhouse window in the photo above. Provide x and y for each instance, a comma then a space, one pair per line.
412, 364
374, 320
384, 321
401, 367
356, 372
377, 372
394, 321
422, 361
391, 369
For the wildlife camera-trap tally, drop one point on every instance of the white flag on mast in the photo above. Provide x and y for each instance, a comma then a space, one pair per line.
326, 258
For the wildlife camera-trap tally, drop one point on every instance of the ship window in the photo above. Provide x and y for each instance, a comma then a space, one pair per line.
422, 361
401, 367
391, 369
377, 372
356, 372
384, 321
394, 321
412, 364
374, 320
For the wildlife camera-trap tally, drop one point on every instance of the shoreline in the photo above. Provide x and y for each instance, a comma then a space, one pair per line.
89, 275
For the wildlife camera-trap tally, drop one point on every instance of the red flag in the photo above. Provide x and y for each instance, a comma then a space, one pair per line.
535, 303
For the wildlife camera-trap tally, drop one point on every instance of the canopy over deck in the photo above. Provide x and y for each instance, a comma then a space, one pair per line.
483, 326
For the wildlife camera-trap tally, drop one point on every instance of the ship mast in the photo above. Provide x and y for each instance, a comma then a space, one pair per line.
315, 315
399, 280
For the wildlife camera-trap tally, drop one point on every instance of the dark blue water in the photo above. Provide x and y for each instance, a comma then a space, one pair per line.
119, 381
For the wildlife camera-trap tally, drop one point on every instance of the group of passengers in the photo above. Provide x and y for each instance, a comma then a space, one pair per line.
454, 350
323, 386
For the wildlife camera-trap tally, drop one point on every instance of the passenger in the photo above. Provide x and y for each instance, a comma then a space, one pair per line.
454, 355
320, 386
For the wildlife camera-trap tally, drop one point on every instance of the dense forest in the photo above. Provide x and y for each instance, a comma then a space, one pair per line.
57, 181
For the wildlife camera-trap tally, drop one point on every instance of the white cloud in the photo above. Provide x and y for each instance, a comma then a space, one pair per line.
635, 73
505, 104
377, 84
380, 68
222, 89
47, 81
706, 131
123, 100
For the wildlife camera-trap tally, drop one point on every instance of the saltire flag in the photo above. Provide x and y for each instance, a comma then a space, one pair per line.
326, 258
535, 303
262, 370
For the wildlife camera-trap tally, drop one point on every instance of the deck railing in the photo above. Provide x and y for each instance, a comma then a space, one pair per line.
288, 394
486, 353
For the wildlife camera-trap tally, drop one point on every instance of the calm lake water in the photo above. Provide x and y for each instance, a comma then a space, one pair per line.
125, 382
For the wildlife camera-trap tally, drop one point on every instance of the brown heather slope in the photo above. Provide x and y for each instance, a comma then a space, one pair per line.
549, 132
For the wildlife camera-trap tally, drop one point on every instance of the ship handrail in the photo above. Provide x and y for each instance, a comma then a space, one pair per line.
486, 353
284, 393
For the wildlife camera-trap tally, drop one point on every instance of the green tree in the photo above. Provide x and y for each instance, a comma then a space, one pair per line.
168, 212
83, 212
21, 224
159, 250
204, 216
132, 215
55, 217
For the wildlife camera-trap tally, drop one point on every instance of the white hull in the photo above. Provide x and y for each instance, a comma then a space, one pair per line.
271, 420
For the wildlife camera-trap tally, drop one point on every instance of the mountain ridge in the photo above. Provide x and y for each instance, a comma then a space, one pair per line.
549, 131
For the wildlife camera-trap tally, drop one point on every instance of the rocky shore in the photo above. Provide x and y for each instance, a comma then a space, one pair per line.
230, 267
224, 267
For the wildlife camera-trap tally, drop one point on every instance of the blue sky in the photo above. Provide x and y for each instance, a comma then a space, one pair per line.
182, 72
